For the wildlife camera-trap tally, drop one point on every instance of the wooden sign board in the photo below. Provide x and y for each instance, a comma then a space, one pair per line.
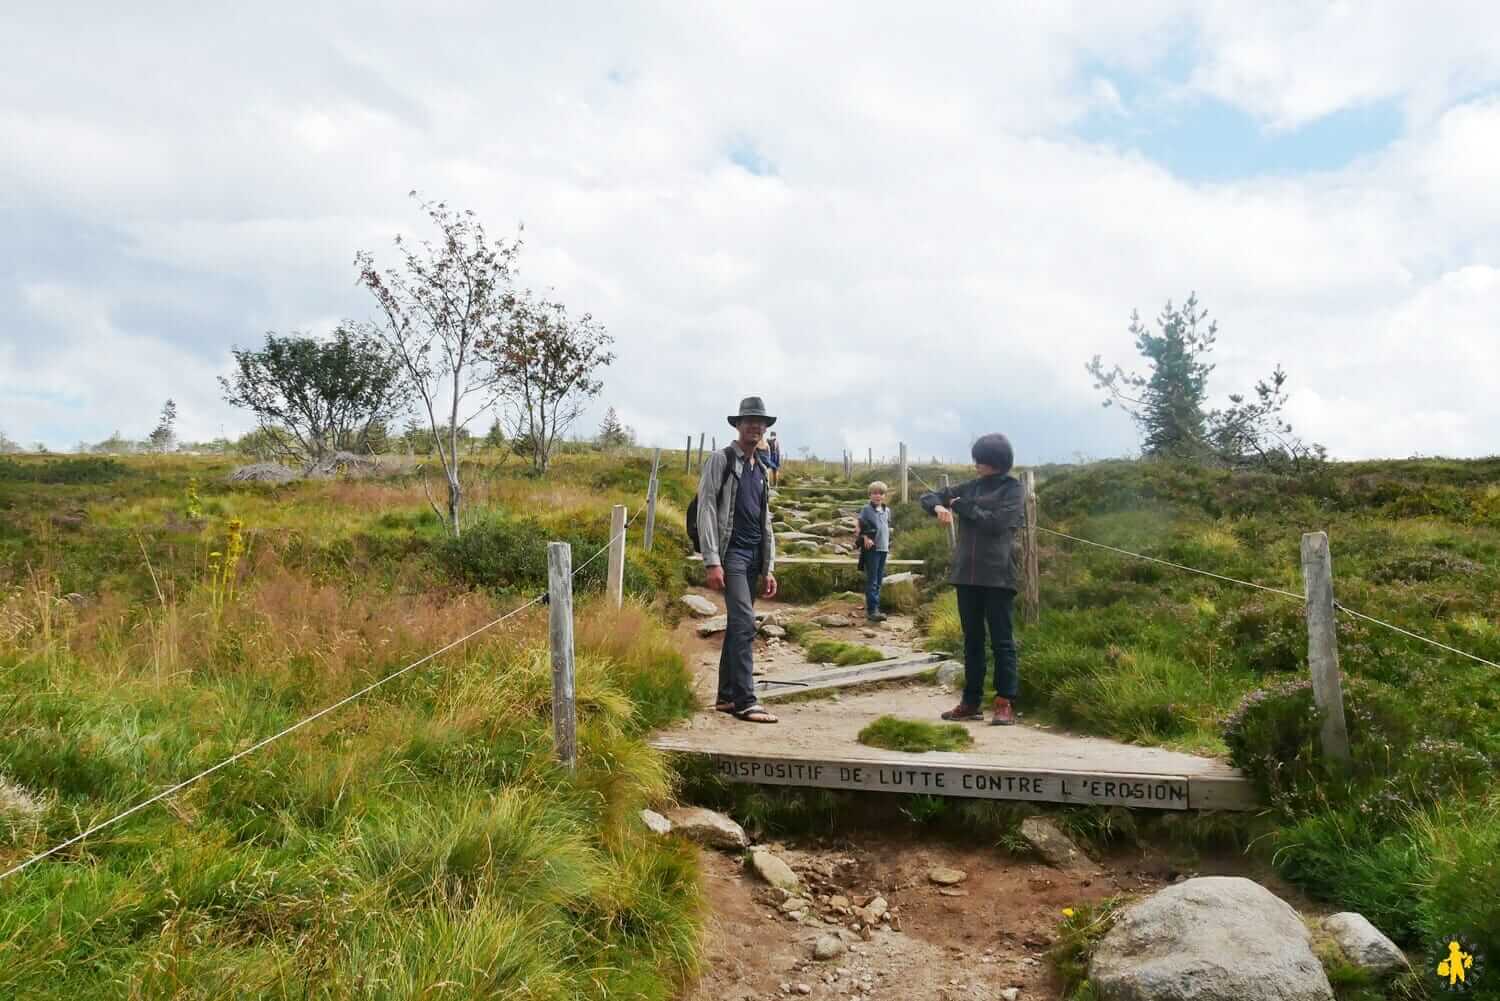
974, 781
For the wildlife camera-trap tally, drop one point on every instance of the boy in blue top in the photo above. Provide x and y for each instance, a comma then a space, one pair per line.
874, 548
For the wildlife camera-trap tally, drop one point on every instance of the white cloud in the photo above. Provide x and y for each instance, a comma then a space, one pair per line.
930, 254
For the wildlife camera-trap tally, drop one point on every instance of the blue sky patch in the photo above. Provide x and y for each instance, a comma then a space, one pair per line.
743, 154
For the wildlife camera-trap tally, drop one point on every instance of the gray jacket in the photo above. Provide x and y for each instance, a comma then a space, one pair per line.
987, 511
716, 512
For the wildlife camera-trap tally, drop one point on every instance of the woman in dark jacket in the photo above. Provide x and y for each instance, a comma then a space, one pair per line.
987, 510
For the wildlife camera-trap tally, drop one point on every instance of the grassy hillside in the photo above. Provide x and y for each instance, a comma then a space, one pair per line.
420, 842
1410, 833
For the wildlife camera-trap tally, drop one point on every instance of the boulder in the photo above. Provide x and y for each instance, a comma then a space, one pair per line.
717, 624
828, 947
773, 631
699, 605
707, 827
1362, 944
1055, 847
1214, 938
774, 871
655, 822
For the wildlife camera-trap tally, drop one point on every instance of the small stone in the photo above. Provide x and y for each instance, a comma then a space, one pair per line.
794, 904
944, 876
774, 871
803, 989
838, 901
1010, 994
717, 624
828, 947
699, 605
946, 892
773, 631
872, 912
1363, 944
1055, 847
707, 827
655, 822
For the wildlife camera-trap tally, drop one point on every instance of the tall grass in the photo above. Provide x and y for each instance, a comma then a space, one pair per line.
420, 842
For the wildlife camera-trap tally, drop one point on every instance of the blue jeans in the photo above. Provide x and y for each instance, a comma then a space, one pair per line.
742, 572
980, 608
874, 573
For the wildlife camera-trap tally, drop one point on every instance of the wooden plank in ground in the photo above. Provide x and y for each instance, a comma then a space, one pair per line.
942, 774
829, 561
772, 689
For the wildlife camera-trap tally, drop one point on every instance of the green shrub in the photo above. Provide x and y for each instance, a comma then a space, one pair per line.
913, 735
90, 469
509, 555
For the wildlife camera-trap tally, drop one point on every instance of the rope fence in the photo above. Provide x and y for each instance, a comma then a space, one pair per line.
543, 598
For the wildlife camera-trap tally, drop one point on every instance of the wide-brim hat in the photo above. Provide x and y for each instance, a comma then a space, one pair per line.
752, 406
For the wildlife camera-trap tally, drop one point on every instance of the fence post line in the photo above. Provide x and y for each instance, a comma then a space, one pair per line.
651, 501
905, 476
615, 585
1323, 644
952, 526
1031, 603
687, 456
560, 602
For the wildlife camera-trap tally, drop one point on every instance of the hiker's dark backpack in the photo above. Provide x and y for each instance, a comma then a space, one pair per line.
692, 509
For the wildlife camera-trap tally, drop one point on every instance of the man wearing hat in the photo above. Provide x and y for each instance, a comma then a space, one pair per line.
739, 552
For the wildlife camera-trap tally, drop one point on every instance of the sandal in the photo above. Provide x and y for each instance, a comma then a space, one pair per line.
755, 713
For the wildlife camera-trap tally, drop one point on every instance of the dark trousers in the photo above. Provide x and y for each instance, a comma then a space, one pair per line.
874, 573
978, 608
742, 571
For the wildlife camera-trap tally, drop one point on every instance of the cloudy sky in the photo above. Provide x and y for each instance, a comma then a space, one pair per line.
891, 221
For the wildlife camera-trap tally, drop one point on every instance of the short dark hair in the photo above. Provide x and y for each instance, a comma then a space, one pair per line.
994, 450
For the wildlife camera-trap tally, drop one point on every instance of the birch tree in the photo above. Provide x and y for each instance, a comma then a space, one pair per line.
437, 307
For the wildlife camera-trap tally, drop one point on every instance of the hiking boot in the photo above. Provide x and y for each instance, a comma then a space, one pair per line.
1005, 713
963, 714
875, 617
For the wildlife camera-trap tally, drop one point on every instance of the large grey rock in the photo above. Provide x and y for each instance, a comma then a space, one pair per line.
773, 631
1363, 944
774, 871
717, 624
1055, 847
699, 605
1215, 938
707, 827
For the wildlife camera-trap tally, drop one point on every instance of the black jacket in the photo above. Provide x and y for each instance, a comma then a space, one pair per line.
987, 511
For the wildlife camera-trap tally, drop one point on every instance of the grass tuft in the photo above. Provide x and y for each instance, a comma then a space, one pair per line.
913, 735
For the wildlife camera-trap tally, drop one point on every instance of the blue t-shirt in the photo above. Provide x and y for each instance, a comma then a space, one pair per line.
749, 502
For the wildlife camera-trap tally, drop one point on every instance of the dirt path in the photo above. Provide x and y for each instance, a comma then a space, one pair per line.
973, 941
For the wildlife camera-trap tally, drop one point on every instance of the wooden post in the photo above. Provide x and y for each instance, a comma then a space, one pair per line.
905, 488
1322, 643
870, 457
952, 526
615, 584
687, 456
560, 601
701, 435
651, 501
1031, 601
848, 466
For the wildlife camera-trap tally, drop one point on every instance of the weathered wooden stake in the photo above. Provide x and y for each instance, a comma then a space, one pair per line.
905, 477
687, 456
651, 501
560, 600
870, 457
1322, 643
615, 585
701, 435
848, 465
952, 526
1031, 601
